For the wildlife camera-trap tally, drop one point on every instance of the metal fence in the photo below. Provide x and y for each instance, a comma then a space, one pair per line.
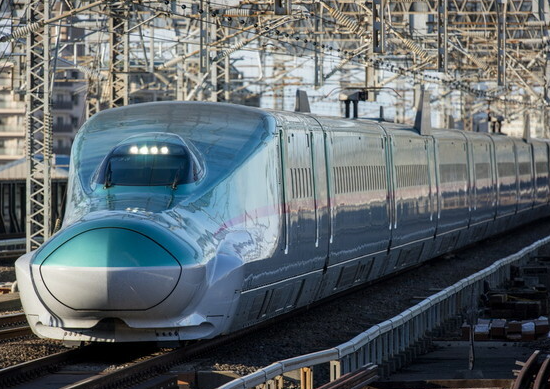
12, 206
396, 338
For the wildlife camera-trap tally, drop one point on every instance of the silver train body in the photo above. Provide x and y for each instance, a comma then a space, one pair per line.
191, 220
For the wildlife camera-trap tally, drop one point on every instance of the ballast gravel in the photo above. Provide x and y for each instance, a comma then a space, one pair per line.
333, 323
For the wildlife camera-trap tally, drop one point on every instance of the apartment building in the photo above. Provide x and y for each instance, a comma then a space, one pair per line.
68, 93
12, 117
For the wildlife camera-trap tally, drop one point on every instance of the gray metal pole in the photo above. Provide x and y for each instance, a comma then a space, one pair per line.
38, 127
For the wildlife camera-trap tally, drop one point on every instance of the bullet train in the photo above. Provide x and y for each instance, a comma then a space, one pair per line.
187, 220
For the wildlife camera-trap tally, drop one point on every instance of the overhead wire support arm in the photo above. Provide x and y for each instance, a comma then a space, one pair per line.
36, 26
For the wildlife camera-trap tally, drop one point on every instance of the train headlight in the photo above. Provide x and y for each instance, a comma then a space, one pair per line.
144, 150
151, 159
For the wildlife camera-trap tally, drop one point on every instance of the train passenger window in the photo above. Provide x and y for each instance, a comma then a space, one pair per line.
524, 168
482, 170
506, 169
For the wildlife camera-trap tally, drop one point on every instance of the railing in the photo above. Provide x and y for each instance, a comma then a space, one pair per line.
12, 105
13, 151
392, 340
12, 129
12, 248
63, 83
13, 209
63, 127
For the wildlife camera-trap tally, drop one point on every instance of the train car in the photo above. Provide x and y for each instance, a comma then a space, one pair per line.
187, 220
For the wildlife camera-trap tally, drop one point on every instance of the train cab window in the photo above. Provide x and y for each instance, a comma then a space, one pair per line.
150, 163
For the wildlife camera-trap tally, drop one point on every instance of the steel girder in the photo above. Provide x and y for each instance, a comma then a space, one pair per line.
38, 126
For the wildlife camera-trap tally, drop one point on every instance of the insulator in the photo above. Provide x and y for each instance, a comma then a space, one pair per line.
415, 48
344, 20
90, 73
48, 149
230, 51
539, 41
236, 12
336, 68
479, 63
20, 32
476, 34
537, 23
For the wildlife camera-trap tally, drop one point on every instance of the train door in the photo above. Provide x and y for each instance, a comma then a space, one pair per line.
413, 219
506, 177
322, 200
540, 159
453, 180
358, 193
306, 201
484, 190
524, 158
432, 177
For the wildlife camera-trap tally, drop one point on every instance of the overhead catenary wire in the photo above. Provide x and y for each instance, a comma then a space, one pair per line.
354, 57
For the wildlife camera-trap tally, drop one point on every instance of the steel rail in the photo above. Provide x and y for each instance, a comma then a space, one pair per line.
525, 376
12, 318
377, 345
15, 332
387, 341
14, 326
153, 367
131, 374
357, 379
541, 380
14, 375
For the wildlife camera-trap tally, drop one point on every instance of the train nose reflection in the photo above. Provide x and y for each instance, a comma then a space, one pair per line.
110, 269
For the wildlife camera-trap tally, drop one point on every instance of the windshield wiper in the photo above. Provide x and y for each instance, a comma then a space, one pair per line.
174, 185
108, 177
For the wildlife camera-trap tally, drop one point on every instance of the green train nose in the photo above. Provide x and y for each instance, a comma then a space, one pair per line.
110, 269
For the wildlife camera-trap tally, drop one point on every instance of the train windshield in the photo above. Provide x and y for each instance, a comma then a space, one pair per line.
147, 165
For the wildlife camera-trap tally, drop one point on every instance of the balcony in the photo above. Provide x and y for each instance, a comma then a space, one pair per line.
66, 84
65, 150
12, 107
11, 129
62, 128
9, 158
62, 105
11, 152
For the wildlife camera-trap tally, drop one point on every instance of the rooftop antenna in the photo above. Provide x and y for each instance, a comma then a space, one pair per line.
423, 119
302, 101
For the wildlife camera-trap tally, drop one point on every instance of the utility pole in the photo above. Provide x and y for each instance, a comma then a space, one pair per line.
120, 54
38, 127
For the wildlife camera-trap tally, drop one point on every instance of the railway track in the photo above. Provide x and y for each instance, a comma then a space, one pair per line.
140, 367
14, 326
152, 367
535, 373
31, 370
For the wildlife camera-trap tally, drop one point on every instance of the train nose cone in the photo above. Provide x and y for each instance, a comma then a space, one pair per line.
110, 269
